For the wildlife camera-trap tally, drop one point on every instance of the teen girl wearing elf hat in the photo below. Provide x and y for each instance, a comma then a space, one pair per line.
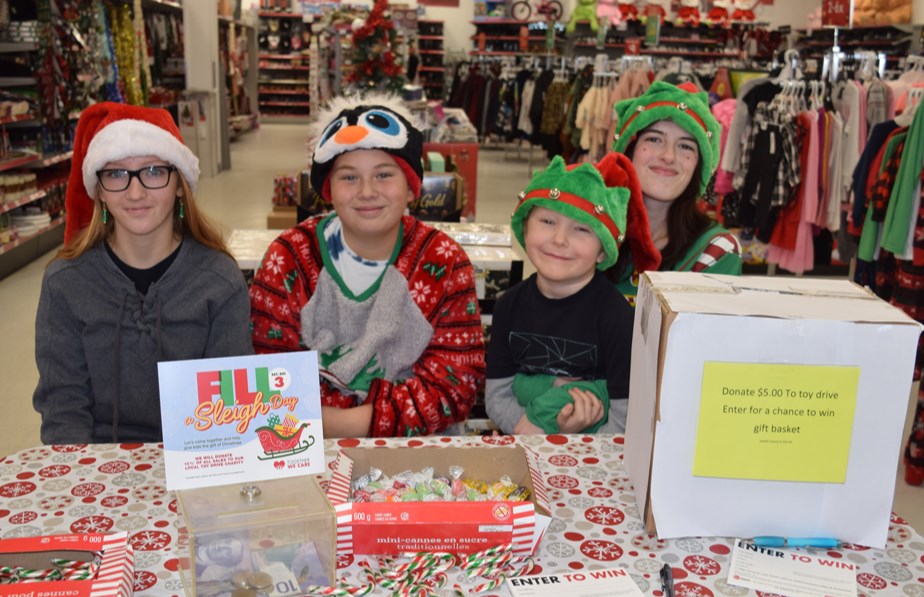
143, 277
673, 141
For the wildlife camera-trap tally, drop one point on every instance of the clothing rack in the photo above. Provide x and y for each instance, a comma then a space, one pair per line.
868, 64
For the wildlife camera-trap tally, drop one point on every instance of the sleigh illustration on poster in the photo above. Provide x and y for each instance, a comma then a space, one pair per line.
283, 439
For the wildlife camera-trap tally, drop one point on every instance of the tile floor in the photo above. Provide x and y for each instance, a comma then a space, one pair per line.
240, 198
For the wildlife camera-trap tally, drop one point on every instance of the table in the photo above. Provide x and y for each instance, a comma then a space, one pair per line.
108, 487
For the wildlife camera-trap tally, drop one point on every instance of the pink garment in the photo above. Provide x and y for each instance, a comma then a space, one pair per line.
609, 10
724, 112
802, 257
632, 83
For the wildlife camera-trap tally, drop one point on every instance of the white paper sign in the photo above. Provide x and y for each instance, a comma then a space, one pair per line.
241, 419
592, 583
791, 573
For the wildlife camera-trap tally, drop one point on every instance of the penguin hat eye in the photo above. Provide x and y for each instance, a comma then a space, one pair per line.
384, 122
331, 130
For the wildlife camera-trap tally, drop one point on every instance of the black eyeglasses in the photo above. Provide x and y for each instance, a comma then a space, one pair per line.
118, 179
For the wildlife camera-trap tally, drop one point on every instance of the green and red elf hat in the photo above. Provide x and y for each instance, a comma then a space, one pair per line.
684, 106
582, 194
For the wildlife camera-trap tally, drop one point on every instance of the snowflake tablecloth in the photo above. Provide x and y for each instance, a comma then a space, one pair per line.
106, 487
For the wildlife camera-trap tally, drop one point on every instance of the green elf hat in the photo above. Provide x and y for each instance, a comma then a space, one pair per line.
684, 106
581, 194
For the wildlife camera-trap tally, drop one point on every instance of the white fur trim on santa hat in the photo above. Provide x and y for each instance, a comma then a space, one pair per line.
128, 138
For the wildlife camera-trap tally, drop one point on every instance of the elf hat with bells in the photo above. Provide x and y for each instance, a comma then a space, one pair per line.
108, 132
376, 121
684, 106
600, 196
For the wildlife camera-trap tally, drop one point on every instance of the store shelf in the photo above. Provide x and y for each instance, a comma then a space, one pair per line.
278, 15
276, 69
285, 104
25, 46
288, 68
17, 162
430, 48
164, 4
18, 118
295, 56
688, 40
7, 247
283, 92
17, 81
25, 200
691, 54
283, 82
50, 160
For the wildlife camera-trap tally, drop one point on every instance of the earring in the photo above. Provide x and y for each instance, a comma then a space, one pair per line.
180, 200
105, 214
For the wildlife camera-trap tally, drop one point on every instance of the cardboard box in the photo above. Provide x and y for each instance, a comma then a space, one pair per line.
285, 532
114, 577
766, 406
282, 218
457, 527
436, 162
440, 197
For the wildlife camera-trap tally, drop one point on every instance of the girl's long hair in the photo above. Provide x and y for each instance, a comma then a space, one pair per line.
193, 223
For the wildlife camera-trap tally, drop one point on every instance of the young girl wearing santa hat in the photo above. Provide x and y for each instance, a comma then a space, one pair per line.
143, 277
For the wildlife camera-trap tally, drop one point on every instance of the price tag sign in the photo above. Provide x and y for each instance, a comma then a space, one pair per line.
836, 13
652, 29
633, 46
601, 36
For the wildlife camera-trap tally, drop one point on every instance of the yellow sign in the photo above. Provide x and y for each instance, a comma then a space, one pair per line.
775, 422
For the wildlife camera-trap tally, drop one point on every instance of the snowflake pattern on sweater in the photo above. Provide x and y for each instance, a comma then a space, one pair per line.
295, 296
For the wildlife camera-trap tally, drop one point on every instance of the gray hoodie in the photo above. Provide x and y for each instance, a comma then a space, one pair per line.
98, 340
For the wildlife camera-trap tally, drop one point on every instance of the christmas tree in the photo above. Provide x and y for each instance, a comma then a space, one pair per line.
376, 67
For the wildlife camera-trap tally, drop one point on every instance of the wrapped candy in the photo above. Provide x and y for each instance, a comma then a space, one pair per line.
424, 486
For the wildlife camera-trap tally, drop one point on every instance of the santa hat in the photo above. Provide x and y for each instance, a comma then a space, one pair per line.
376, 121
583, 194
684, 106
107, 132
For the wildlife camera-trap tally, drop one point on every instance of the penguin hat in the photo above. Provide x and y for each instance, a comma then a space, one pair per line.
376, 121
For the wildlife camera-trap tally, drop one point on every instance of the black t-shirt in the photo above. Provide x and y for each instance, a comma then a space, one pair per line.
143, 278
586, 335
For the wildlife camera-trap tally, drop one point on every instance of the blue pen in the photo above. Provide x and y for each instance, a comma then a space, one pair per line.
823, 542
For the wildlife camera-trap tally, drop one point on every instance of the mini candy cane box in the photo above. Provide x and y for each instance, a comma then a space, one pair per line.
79, 565
446, 526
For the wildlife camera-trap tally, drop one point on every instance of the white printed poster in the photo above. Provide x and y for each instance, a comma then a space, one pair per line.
241, 419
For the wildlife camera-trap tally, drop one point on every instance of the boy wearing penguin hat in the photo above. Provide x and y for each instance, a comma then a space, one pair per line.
387, 301
561, 340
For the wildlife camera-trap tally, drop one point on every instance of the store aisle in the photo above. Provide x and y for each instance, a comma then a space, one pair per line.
240, 198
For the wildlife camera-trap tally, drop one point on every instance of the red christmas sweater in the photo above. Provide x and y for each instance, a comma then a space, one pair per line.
412, 344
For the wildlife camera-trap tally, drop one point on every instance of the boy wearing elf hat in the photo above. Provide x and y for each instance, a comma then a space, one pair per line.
387, 301
672, 139
143, 277
559, 356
